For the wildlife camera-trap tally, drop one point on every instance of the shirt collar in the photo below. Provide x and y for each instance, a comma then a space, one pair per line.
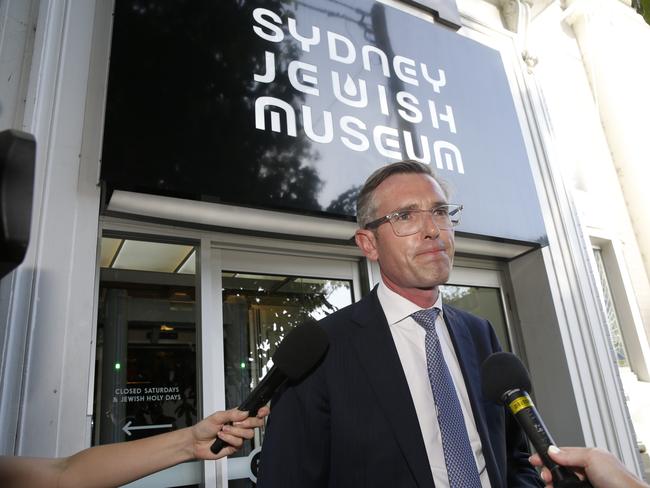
396, 307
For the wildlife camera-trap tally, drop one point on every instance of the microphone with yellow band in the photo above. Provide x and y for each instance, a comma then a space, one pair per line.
505, 379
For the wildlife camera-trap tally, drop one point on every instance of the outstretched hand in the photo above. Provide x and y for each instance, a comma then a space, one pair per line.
231, 426
601, 468
123, 462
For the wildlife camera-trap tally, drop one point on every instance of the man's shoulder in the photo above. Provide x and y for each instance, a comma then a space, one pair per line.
478, 328
349, 312
453, 312
353, 313
456, 315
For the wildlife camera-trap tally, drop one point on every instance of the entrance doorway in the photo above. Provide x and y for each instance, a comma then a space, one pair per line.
264, 296
210, 319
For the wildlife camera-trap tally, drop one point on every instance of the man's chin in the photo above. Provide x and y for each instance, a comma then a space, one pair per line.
436, 277
433, 283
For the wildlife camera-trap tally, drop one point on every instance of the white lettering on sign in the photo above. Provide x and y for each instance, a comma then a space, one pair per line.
147, 394
355, 92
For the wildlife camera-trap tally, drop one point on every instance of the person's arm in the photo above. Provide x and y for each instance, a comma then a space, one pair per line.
120, 463
600, 467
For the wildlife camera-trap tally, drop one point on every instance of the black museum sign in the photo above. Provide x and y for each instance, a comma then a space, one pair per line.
290, 105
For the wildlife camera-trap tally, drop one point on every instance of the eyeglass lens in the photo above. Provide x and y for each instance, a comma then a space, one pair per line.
411, 221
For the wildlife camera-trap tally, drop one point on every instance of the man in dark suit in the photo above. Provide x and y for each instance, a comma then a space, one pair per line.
397, 401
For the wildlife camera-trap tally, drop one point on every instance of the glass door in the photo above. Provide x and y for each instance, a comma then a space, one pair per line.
264, 296
146, 356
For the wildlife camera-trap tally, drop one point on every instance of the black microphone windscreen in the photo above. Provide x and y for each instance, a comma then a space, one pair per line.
501, 372
300, 350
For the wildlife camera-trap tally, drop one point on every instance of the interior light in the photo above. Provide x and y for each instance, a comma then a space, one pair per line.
166, 328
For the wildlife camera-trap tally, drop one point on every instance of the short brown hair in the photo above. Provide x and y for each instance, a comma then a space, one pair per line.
366, 206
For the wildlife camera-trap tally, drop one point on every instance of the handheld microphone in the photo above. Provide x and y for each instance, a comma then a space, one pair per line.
296, 355
506, 380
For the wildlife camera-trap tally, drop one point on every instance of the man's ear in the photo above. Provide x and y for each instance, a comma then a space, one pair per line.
367, 241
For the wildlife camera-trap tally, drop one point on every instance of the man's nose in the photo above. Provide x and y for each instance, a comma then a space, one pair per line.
429, 225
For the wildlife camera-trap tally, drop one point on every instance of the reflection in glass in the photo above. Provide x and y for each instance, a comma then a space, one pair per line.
613, 327
482, 301
179, 112
207, 101
258, 312
145, 378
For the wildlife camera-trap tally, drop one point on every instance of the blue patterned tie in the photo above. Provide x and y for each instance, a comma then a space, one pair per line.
459, 459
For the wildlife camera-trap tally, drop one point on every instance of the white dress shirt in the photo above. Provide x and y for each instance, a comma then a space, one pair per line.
409, 340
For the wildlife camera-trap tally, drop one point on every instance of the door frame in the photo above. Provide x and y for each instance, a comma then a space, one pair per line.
218, 251
259, 260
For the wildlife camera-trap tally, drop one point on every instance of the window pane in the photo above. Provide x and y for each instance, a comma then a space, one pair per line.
615, 335
482, 301
258, 312
145, 378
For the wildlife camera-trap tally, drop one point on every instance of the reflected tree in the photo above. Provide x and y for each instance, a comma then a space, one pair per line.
259, 313
346, 202
180, 115
453, 293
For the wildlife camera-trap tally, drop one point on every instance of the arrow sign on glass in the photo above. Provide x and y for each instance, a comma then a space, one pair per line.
128, 428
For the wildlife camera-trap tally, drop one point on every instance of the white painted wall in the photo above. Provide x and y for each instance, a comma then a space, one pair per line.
590, 84
52, 296
568, 44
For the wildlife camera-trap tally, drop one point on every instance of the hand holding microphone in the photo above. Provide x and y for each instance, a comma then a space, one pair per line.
506, 380
296, 355
601, 467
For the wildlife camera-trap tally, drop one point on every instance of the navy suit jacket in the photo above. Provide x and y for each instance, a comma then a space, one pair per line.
352, 422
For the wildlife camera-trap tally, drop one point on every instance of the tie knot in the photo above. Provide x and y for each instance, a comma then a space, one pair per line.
426, 318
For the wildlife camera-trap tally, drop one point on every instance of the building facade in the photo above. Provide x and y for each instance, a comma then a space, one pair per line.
194, 177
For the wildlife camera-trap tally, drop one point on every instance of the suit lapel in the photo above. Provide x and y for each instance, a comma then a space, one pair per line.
467, 358
378, 356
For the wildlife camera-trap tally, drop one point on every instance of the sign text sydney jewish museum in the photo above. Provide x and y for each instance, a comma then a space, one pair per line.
367, 83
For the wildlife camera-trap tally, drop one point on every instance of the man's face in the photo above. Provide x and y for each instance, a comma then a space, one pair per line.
414, 265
